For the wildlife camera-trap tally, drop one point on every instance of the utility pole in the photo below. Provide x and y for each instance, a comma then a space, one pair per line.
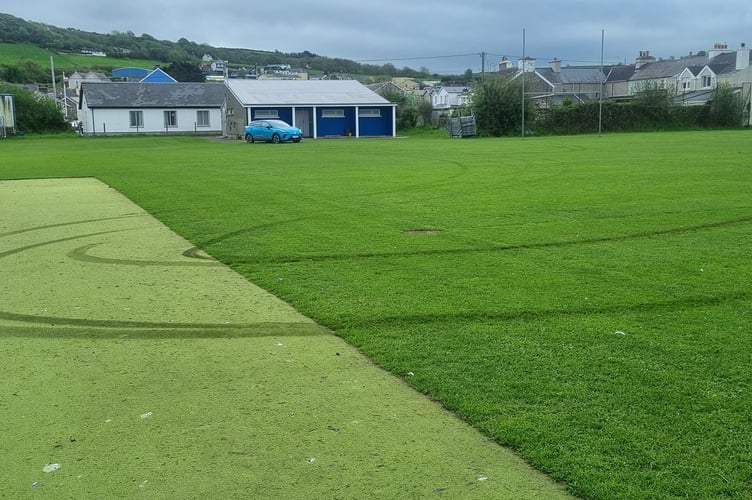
482, 66
54, 88
523, 82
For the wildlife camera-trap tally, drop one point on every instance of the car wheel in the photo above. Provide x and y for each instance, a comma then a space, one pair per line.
248, 138
275, 138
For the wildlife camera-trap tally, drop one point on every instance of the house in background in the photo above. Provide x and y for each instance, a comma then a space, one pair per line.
450, 97
556, 84
77, 78
444, 100
158, 76
320, 108
130, 107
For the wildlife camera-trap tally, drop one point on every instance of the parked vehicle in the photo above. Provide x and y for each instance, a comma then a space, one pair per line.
272, 131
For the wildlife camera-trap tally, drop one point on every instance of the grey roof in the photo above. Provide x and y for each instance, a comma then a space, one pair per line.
569, 75
721, 64
620, 72
153, 95
668, 67
456, 89
304, 92
694, 97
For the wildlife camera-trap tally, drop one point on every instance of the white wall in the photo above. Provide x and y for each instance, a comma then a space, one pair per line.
117, 121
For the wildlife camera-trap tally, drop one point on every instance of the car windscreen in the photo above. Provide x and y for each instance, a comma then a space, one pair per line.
278, 124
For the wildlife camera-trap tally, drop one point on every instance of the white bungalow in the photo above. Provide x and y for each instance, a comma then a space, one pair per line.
174, 108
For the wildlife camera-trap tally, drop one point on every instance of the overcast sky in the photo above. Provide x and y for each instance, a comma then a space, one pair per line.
446, 36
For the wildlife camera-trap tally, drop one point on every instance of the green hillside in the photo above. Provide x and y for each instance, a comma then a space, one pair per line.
128, 49
14, 53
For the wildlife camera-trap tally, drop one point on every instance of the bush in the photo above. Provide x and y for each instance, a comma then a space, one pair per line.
497, 107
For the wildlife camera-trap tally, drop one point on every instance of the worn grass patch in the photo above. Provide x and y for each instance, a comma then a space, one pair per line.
587, 301
135, 364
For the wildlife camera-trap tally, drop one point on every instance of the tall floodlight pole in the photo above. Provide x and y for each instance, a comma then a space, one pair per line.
523, 82
600, 96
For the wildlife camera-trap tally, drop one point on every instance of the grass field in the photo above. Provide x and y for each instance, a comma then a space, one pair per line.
583, 300
12, 53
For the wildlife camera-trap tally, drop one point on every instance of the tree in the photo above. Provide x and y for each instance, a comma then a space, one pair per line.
653, 105
496, 103
185, 72
726, 108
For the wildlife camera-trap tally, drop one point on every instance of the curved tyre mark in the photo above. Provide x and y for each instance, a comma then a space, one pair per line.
59, 240
291, 259
63, 224
81, 254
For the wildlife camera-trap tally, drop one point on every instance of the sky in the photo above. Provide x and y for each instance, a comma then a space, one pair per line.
445, 36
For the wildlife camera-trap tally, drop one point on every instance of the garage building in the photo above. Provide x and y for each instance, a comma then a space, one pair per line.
320, 108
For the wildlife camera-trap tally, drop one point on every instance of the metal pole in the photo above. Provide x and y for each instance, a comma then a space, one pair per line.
523, 82
54, 87
600, 96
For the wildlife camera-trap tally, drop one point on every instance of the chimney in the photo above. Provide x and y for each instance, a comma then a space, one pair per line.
555, 65
526, 65
742, 57
718, 49
643, 59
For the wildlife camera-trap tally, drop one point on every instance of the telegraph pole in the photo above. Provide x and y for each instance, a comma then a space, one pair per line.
54, 87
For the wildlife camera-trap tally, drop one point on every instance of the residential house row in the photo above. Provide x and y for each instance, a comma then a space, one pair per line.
692, 79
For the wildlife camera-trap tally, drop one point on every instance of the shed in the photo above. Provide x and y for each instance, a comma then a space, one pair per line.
7, 114
131, 107
320, 108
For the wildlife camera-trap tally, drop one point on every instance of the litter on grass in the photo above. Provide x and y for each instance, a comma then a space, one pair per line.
51, 467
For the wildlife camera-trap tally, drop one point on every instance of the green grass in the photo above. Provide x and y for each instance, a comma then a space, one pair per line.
584, 300
12, 53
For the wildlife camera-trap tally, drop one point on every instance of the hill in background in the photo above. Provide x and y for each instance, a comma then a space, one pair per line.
107, 51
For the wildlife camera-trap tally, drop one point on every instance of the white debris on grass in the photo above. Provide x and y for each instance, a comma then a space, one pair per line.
51, 467
146, 415
619, 332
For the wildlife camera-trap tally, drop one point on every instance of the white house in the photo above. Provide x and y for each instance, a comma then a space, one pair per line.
167, 108
450, 97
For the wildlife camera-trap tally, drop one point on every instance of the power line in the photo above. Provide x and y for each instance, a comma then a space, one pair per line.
416, 58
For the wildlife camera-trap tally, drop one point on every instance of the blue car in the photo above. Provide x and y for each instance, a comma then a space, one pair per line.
275, 131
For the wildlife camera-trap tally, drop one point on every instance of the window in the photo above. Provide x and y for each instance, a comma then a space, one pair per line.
370, 113
707, 81
332, 113
202, 118
137, 119
266, 113
686, 84
170, 119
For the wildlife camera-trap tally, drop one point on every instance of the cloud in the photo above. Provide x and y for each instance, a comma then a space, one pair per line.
422, 32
